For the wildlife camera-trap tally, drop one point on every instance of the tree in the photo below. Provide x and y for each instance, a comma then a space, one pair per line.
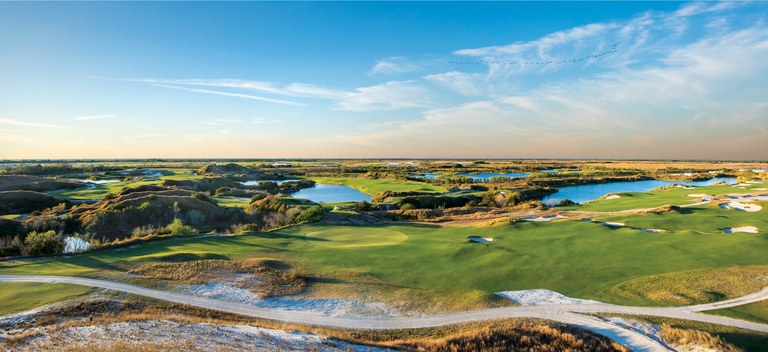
42, 243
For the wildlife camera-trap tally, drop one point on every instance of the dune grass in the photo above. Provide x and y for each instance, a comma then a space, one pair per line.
375, 186
19, 296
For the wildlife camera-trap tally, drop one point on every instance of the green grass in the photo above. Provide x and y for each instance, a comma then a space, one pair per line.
756, 312
19, 296
584, 260
340, 237
375, 186
232, 202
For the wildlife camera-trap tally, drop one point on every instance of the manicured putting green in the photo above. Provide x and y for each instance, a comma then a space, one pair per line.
348, 237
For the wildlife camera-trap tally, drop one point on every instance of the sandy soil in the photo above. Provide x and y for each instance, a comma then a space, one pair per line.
541, 297
745, 229
188, 337
481, 239
235, 290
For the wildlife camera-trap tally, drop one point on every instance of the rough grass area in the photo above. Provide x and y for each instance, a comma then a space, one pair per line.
504, 335
756, 312
19, 296
694, 339
695, 286
276, 278
376, 186
367, 288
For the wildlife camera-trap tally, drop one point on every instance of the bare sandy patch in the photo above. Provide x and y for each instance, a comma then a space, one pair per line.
745, 229
540, 297
481, 239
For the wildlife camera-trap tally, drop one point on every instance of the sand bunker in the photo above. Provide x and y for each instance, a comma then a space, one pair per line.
650, 230
543, 218
745, 229
481, 239
612, 196
541, 297
741, 206
614, 224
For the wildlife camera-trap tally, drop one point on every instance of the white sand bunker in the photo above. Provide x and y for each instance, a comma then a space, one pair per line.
612, 196
543, 218
741, 206
650, 230
609, 223
481, 239
541, 297
745, 229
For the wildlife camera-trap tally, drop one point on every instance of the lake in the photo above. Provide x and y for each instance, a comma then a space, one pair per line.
332, 194
486, 176
256, 183
584, 193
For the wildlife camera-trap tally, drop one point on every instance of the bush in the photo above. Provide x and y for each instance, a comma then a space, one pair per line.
178, 228
311, 214
42, 243
407, 206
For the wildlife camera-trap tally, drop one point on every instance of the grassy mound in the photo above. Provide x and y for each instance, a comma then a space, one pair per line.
348, 237
695, 286
21, 202
35, 183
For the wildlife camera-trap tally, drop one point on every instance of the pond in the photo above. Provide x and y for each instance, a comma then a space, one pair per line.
429, 175
583, 193
332, 194
256, 182
486, 176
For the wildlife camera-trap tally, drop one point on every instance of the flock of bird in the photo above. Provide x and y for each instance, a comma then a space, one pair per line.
555, 62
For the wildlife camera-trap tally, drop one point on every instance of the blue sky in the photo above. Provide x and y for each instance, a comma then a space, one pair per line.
393, 79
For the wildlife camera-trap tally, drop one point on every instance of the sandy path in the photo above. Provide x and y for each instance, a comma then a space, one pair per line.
560, 313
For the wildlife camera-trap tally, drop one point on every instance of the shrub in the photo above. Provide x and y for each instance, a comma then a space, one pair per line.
311, 214
407, 206
178, 228
42, 243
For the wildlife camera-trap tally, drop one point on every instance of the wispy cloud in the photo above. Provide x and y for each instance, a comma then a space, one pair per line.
230, 94
94, 117
9, 121
394, 65
392, 95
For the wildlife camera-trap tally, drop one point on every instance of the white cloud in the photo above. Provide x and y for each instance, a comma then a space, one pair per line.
9, 121
394, 65
468, 84
392, 95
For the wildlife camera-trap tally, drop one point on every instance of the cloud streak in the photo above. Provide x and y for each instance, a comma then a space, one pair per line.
9, 121
229, 94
